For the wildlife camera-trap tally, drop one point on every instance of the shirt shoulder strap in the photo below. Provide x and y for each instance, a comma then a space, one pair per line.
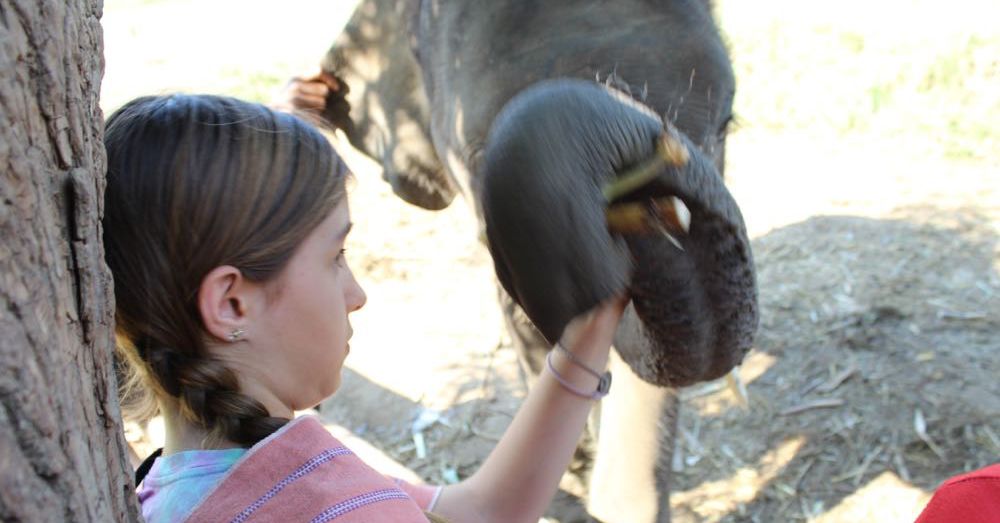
140, 473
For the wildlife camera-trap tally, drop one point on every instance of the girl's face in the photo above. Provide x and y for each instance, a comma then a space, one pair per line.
301, 335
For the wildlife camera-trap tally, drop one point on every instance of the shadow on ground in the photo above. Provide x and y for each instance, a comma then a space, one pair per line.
876, 354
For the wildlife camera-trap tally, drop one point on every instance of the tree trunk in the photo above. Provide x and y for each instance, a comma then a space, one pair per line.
62, 453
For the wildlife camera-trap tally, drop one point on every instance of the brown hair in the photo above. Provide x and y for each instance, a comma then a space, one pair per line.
196, 182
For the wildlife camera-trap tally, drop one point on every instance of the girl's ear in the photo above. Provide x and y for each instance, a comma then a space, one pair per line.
224, 299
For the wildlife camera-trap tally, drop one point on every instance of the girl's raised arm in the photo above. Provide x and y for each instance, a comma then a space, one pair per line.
521, 475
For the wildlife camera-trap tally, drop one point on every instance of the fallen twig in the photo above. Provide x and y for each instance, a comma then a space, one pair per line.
802, 474
478, 433
860, 470
904, 472
897, 458
993, 437
920, 426
838, 379
823, 403
735, 384
956, 315
703, 390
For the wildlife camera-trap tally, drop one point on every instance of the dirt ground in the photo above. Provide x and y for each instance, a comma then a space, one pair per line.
874, 373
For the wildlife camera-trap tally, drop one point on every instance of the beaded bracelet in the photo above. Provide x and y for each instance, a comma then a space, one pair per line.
603, 380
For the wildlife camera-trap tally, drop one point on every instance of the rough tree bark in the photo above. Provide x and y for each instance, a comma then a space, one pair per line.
62, 453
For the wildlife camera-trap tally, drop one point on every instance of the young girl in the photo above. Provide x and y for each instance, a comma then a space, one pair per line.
224, 229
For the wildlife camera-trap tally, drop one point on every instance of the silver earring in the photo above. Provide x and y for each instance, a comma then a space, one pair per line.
236, 334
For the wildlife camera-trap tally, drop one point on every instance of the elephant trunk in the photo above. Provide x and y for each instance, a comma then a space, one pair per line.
696, 305
549, 155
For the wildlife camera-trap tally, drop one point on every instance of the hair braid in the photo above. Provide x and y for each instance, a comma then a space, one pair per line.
210, 392
207, 393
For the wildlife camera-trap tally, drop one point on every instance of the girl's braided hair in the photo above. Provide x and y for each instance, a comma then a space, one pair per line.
196, 182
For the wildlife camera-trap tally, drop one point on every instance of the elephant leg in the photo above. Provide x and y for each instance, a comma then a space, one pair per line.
629, 479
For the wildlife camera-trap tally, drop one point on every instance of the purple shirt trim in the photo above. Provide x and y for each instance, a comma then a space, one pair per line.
357, 502
306, 468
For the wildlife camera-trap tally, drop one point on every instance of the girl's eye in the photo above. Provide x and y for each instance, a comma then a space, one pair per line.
340, 257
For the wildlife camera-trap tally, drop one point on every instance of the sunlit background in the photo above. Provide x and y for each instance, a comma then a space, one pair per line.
857, 108
826, 93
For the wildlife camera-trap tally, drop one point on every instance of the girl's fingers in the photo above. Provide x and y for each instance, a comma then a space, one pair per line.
597, 325
311, 89
610, 311
316, 103
321, 77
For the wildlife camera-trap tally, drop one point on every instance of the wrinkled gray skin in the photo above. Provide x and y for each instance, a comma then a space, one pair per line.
424, 82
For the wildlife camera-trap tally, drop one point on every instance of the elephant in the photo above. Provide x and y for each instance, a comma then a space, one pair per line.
528, 109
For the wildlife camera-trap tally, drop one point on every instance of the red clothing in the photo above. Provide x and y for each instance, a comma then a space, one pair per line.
302, 473
968, 498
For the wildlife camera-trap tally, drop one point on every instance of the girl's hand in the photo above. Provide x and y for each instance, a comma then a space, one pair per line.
593, 331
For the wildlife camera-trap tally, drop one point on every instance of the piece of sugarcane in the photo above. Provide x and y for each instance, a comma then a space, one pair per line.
670, 152
667, 212
667, 215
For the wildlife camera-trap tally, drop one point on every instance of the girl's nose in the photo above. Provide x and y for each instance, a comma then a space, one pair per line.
356, 296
